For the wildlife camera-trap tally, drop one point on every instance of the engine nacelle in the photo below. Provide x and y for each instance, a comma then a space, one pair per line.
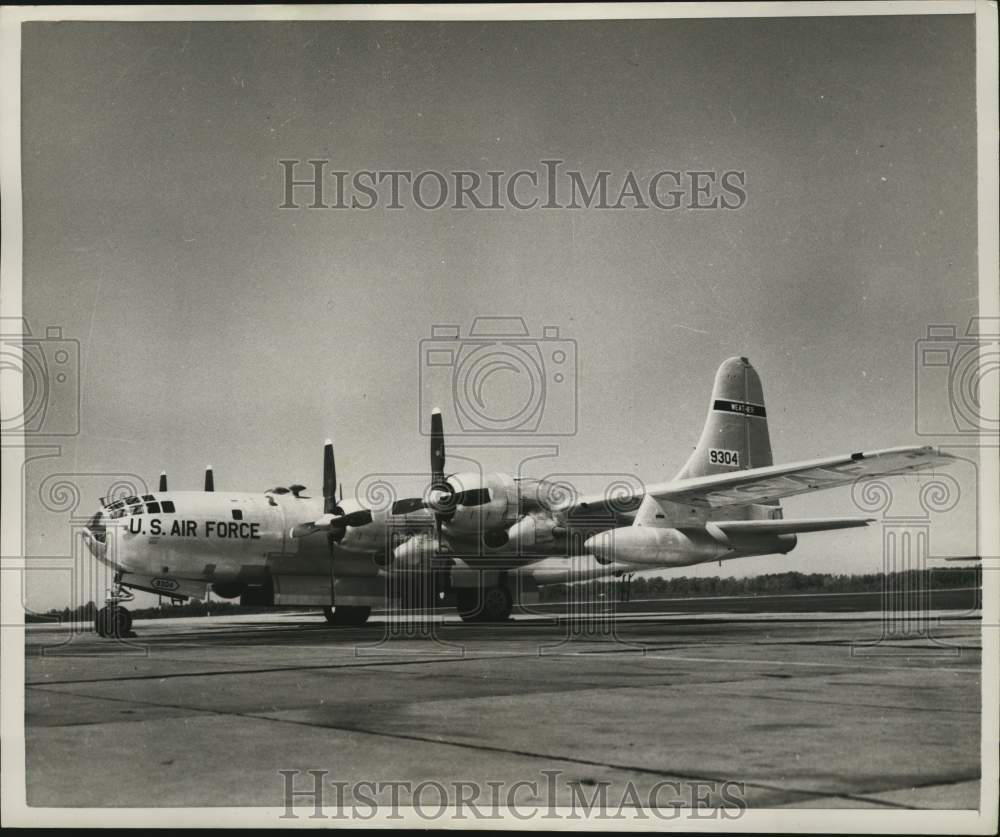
534, 530
679, 547
415, 553
481, 502
661, 547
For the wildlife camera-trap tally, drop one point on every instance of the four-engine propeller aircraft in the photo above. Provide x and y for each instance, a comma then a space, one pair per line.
482, 536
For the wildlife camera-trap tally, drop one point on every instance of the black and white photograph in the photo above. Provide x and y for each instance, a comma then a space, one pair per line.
480, 416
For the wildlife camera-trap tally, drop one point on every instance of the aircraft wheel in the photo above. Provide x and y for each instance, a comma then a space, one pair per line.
113, 621
467, 603
493, 605
345, 615
497, 604
123, 621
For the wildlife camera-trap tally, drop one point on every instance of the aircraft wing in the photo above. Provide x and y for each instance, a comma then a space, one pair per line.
761, 485
774, 482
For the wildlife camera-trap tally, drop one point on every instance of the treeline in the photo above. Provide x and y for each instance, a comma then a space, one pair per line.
658, 587
195, 607
679, 587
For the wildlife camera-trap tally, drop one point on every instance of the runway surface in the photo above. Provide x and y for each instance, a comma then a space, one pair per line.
812, 710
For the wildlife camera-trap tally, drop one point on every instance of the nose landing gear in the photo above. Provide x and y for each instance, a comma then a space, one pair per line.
113, 620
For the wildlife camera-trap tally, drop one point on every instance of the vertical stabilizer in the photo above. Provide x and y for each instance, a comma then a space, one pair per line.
735, 435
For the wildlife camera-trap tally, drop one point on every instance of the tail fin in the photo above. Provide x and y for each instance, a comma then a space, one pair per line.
735, 435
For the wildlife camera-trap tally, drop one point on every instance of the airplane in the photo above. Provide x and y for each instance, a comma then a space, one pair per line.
483, 537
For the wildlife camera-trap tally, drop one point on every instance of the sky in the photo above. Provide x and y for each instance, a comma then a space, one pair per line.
214, 327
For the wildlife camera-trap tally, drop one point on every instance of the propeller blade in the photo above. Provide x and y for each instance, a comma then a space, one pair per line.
330, 523
362, 517
209, 479
163, 480
437, 448
408, 505
438, 481
329, 479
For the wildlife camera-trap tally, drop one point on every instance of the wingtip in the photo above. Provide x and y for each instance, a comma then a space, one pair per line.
328, 443
436, 411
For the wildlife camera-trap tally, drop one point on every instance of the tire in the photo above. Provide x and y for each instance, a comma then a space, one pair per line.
467, 604
114, 621
497, 604
100, 622
122, 622
347, 615
492, 604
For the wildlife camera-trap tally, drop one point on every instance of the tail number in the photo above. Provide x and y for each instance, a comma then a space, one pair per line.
717, 456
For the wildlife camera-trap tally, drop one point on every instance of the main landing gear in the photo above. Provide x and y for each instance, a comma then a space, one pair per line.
490, 604
114, 620
347, 615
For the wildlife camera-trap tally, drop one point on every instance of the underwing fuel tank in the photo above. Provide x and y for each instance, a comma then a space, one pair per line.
678, 547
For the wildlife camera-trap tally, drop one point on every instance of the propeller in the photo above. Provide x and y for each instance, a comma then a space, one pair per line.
209, 479
437, 449
163, 480
329, 479
334, 520
337, 528
441, 498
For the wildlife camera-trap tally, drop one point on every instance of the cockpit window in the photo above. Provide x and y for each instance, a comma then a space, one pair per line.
130, 500
147, 497
152, 508
116, 513
167, 506
135, 509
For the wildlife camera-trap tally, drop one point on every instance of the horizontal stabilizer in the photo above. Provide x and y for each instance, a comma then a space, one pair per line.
787, 527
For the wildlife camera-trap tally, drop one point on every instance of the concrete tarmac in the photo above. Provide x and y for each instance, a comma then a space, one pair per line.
793, 709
